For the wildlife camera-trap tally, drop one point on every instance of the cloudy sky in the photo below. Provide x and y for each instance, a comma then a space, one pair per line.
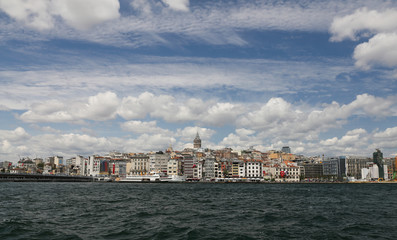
92, 76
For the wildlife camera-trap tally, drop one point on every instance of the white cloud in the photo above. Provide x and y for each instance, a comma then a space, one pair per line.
388, 134
276, 110
386, 139
221, 114
211, 22
372, 21
100, 107
380, 26
360, 142
42, 14
33, 13
143, 6
375, 106
146, 142
171, 110
379, 50
277, 117
244, 132
178, 5
189, 133
197, 76
83, 15
17, 135
262, 125
281, 120
45, 128
140, 127
238, 142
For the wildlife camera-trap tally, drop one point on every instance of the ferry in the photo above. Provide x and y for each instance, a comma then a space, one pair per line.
149, 177
153, 177
173, 178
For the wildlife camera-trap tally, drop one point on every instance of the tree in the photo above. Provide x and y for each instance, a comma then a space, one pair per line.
40, 165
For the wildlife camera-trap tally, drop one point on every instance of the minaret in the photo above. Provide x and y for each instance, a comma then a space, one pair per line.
197, 141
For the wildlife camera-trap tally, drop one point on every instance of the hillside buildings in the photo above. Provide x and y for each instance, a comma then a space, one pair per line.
225, 165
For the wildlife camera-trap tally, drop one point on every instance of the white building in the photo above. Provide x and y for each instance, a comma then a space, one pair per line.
210, 169
158, 162
139, 164
198, 170
372, 172
174, 167
251, 169
93, 166
286, 173
58, 160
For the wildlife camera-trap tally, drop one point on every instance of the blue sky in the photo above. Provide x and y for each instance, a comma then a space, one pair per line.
85, 77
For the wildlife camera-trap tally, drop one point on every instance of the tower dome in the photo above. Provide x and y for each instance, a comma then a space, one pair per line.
197, 141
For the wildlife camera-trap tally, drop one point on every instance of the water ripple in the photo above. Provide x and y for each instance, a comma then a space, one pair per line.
197, 211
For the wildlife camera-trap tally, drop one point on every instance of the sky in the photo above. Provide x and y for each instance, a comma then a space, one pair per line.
93, 76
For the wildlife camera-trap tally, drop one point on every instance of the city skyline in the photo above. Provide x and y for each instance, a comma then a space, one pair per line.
137, 76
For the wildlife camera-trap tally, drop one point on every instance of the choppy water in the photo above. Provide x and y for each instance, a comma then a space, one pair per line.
197, 211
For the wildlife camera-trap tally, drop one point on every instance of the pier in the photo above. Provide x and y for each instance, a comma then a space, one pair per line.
19, 177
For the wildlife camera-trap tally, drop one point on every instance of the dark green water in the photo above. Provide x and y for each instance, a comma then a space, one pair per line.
197, 211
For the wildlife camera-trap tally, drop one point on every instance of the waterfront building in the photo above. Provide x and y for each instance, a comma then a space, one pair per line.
58, 160
50, 160
354, 164
198, 170
27, 164
139, 164
120, 167
38, 161
188, 162
71, 161
174, 167
158, 162
242, 170
79, 161
253, 168
286, 149
235, 168
5, 164
93, 166
48, 169
373, 172
225, 168
197, 141
286, 172
210, 169
390, 167
378, 160
104, 166
341, 168
313, 170
331, 168
267, 171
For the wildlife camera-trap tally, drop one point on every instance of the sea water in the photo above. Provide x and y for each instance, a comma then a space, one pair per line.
197, 211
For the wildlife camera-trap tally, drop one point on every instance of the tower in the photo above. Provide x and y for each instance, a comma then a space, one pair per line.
378, 160
197, 141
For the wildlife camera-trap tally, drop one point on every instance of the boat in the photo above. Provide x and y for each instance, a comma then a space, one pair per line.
174, 178
149, 177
